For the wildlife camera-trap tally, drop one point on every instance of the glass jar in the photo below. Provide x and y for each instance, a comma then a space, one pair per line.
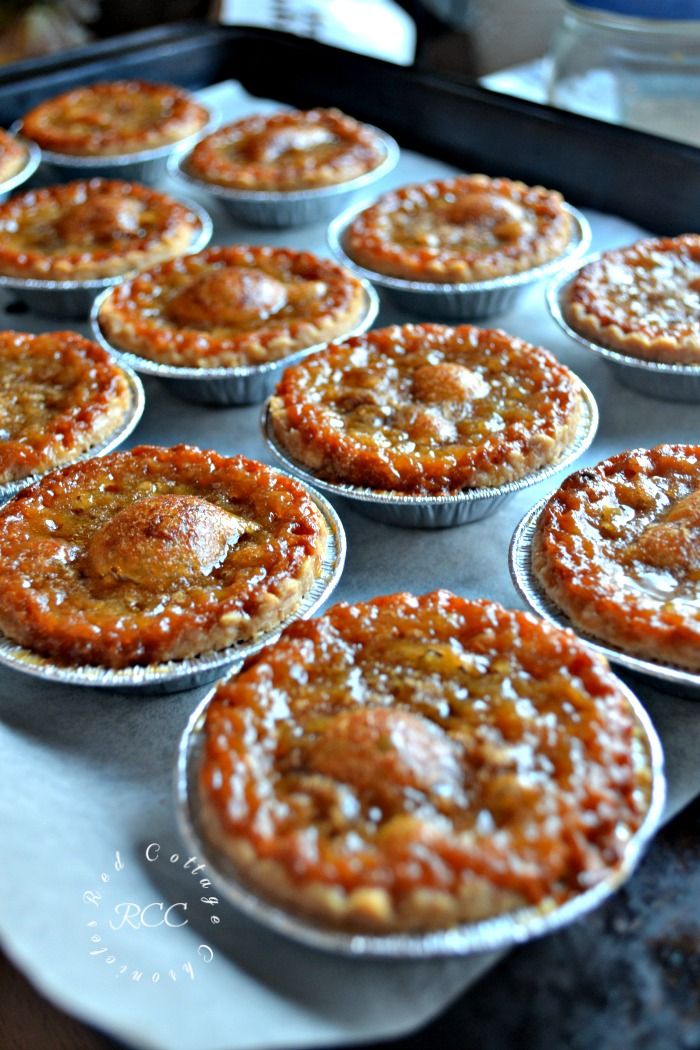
633, 62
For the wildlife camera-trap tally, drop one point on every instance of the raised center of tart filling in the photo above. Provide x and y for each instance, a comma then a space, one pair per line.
505, 218
445, 382
475, 221
228, 296
276, 143
102, 219
160, 540
671, 545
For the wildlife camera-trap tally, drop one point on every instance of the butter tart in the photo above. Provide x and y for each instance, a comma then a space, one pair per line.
109, 119
642, 300
13, 156
225, 307
459, 230
60, 394
91, 229
617, 548
426, 409
408, 763
294, 150
155, 554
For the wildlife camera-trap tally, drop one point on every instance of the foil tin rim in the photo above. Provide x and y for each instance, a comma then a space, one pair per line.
495, 934
579, 243
177, 169
200, 240
166, 371
111, 441
586, 431
25, 660
32, 162
555, 294
529, 588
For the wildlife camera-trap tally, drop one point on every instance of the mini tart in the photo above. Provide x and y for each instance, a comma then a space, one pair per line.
155, 554
617, 548
426, 409
643, 300
459, 230
106, 120
91, 229
60, 394
296, 150
226, 307
13, 156
408, 763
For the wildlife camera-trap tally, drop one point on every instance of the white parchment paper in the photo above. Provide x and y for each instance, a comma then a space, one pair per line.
86, 808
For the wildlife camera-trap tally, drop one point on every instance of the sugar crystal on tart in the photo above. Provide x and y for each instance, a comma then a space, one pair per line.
642, 300
294, 150
238, 305
409, 763
426, 409
60, 394
462, 229
91, 229
114, 118
155, 554
617, 548
13, 156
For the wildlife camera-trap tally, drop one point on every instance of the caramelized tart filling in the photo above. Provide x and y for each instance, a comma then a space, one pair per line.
155, 554
59, 395
91, 229
295, 150
467, 228
617, 548
643, 300
13, 156
109, 119
426, 409
412, 762
232, 306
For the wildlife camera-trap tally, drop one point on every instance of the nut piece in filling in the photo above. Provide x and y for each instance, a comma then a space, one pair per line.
643, 300
426, 409
295, 150
13, 156
91, 229
106, 120
155, 554
467, 228
410, 763
617, 548
225, 307
60, 394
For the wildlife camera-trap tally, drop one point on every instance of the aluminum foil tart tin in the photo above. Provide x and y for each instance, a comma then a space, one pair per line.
652, 378
25, 173
244, 385
502, 932
174, 676
438, 512
121, 432
458, 302
664, 676
149, 165
73, 299
291, 207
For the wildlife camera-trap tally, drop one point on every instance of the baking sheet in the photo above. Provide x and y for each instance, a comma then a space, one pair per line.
88, 776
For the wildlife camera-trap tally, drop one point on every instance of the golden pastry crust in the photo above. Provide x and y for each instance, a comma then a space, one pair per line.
91, 229
617, 549
109, 119
643, 300
155, 554
427, 409
60, 394
295, 150
462, 229
13, 156
411, 763
239, 305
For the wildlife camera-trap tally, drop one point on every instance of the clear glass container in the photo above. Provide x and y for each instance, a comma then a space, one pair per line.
633, 62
